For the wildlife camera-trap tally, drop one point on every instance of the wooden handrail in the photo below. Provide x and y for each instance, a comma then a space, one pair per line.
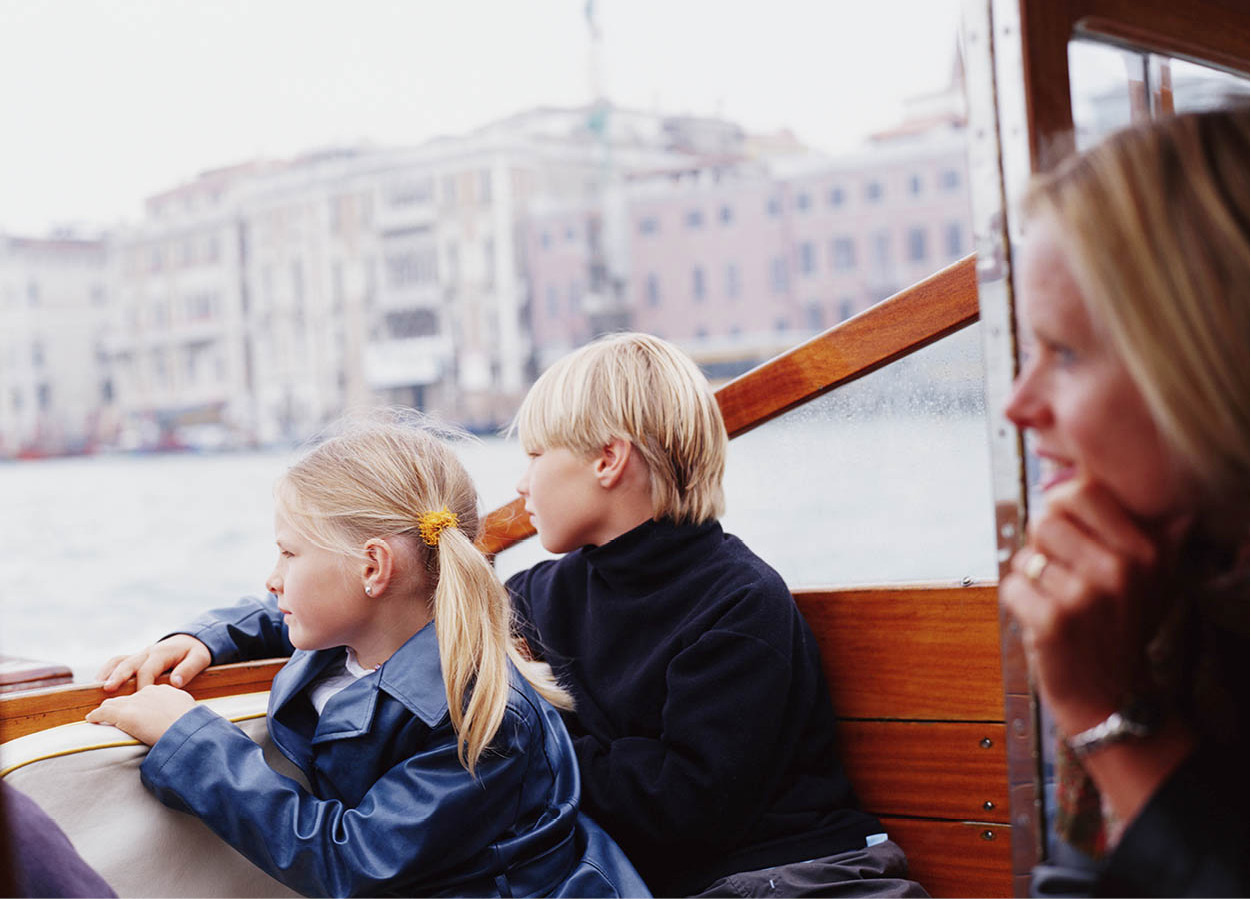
24, 713
900, 325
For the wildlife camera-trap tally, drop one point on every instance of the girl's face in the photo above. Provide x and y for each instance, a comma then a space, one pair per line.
1076, 394
323, 602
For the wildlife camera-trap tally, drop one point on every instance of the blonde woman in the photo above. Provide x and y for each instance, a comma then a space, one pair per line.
436, 764
1132, 588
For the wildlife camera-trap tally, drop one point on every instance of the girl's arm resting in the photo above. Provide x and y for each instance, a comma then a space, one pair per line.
250, 629
424, 817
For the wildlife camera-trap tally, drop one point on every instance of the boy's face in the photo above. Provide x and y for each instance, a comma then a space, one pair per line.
565, 500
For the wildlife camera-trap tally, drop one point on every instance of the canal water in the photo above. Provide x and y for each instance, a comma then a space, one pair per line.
103, 554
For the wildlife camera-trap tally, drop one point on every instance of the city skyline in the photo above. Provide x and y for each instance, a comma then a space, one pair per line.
127, 104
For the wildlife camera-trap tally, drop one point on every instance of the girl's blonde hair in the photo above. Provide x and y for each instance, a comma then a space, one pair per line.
645, 390
1155, 223
376, 477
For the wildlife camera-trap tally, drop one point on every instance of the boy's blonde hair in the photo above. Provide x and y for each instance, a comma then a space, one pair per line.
645, 390
1155, 220
377, 477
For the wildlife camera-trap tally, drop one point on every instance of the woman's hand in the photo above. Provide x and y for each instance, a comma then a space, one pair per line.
181, 654
145, 715
1085, 590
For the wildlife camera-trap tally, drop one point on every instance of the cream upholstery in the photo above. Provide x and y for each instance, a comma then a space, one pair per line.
86, 777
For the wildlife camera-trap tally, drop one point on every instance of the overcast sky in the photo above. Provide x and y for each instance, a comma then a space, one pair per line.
103, 102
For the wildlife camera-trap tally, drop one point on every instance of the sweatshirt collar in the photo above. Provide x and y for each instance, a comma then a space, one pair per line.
652, 554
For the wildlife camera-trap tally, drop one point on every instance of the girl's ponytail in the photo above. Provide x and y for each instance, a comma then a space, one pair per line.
472, 617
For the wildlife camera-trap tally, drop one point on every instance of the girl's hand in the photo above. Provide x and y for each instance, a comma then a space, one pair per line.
145, 715
182, 653
1085, 606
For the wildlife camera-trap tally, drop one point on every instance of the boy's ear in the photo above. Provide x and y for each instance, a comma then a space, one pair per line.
610, 464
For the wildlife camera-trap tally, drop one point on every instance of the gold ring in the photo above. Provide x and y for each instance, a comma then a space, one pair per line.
1034, 567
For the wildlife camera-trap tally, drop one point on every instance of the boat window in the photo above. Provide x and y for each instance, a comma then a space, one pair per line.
1113, 86
888, 475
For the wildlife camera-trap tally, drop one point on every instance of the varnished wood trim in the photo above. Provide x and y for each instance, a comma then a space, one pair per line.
899, 325
25, 712
956, 858
926, 652
953, 770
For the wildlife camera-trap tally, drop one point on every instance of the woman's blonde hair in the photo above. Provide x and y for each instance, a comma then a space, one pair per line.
376, 477
1155, 224
645, 390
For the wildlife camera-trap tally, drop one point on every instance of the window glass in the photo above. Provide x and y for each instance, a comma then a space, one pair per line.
889, 475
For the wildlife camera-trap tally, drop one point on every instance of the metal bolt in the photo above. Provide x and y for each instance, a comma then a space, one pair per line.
988, 805
988, 834
986, 743
966, 581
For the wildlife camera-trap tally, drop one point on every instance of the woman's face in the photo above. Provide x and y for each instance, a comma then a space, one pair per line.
1075, 392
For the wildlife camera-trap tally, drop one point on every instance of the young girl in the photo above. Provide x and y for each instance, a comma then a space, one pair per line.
435, 762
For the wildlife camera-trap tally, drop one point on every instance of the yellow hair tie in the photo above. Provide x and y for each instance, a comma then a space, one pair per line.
432, 524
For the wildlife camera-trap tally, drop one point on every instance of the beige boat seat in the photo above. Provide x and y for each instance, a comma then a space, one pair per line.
86, 777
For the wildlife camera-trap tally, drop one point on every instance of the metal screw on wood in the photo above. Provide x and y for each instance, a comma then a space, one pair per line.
986, 743
988, 834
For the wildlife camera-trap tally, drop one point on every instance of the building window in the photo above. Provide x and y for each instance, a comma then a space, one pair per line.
484, 186
695, 219
803, 202
777, 274
32, 294
545, 240
409, 323
873, 191
846, 309
955, 239
881, 250
807, 257
553, 301
916, 244
914, 185
726, 215
701, 333
815, 316
781, 324
837, 197
648, 225
575, 296
949, 179
653, 291
732, 286
571, 234
843, 254
774, 207
697, 283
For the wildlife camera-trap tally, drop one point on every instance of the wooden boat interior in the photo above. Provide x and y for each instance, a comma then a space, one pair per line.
939, 725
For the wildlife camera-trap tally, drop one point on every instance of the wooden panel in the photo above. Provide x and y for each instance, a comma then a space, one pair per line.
956, 858
930, 770
504, 527
929, 653
25, 713
895, 327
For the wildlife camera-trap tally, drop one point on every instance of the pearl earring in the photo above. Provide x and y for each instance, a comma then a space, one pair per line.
369, 589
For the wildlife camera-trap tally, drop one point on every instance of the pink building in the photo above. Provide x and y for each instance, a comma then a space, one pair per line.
736, 260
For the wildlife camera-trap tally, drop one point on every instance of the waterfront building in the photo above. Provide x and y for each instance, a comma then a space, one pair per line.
55, 390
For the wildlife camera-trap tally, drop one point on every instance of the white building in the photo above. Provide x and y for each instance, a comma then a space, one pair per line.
55, 390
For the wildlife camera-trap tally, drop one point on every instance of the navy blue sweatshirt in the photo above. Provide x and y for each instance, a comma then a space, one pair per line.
703, 725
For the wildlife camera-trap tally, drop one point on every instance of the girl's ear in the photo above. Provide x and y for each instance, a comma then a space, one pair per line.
611, 463
379, 568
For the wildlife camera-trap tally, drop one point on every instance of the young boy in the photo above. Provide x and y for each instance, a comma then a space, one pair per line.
703, 726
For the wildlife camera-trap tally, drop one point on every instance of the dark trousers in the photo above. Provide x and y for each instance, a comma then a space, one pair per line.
880, 870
